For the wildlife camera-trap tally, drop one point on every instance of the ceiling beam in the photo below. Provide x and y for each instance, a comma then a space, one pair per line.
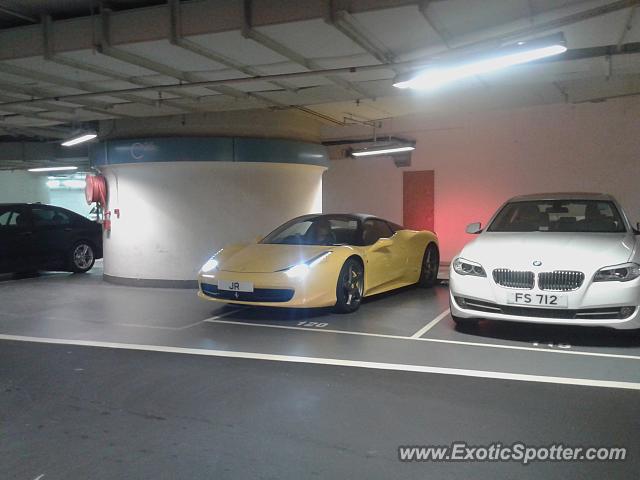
50, 55
185, 78
5, 119
569, 55
251, 33
176, 38
14, 13
102, 108
42, 132
46, 106
445, 37
346, 24
628, 25
482, 40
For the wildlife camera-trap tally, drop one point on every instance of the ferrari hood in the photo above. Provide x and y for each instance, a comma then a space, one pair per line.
264, 258
556, 251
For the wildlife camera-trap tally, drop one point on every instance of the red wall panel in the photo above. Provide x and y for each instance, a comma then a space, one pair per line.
418, 199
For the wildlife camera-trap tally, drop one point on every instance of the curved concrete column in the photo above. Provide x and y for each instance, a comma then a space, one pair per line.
180, 200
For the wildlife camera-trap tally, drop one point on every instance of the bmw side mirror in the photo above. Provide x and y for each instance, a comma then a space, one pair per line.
474, 228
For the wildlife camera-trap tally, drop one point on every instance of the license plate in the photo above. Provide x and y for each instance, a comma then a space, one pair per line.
537, 299
232, 286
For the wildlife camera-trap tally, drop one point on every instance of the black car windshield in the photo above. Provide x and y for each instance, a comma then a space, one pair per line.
316, 230
558, 216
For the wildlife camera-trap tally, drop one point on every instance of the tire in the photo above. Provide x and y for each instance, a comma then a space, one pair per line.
465, 323
81, 257
350, 286
429, 267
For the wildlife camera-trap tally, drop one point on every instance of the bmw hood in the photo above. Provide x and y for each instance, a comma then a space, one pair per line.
586, 252
265, 258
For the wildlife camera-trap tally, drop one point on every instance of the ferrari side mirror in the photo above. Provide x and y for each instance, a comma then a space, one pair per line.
474, 228
382, 243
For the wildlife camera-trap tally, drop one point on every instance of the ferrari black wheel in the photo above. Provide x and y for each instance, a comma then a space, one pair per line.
350, 287
430, 266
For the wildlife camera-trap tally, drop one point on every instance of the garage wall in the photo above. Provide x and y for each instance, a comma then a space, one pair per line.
71, 199
23, 187
482, 159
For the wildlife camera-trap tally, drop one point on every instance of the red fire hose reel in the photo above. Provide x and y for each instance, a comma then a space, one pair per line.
96, 191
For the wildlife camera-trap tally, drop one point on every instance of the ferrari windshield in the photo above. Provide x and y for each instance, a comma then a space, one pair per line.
559, 216
316, 230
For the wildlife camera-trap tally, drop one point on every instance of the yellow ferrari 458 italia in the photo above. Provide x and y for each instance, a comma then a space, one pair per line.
322, 260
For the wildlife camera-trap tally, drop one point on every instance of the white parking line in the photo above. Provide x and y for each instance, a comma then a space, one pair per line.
435, 340
335, 362
430, 325
159, 327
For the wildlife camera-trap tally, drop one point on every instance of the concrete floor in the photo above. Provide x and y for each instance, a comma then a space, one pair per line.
165, 385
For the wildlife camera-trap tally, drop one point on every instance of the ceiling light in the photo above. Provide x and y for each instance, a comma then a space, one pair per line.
382, 150
52, 169
522, 52
81, 139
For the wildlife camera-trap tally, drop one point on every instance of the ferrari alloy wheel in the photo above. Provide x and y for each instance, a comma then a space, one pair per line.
430, 266
82, 257
350, 286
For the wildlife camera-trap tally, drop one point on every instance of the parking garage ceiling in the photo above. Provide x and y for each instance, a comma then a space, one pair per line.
69, 63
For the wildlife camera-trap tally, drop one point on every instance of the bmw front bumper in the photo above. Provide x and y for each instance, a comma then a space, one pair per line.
602, 304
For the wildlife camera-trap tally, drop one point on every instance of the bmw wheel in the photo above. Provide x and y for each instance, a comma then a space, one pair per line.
350, 286
430, 266
82, 257
465, 323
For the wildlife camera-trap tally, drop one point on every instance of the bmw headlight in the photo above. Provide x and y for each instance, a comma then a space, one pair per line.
302, 269
466, 267
211, 264
618, 273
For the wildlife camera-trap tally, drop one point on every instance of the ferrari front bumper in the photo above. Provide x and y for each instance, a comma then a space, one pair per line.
274, 289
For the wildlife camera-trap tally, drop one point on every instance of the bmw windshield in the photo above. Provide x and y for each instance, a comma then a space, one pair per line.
559, 216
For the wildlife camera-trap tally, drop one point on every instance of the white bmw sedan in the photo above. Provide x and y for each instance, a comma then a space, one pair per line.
569, 259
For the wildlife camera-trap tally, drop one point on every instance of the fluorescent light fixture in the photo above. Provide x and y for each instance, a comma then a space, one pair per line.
52, 169
381, 151
522, 52
81, 139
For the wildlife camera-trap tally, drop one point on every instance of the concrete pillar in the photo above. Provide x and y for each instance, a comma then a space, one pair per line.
182, 199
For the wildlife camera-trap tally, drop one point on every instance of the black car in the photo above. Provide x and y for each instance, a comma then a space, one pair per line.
43, 237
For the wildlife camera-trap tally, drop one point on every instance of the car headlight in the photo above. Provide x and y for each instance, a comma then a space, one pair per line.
211, 264
466, 267
302, 269
618, 273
